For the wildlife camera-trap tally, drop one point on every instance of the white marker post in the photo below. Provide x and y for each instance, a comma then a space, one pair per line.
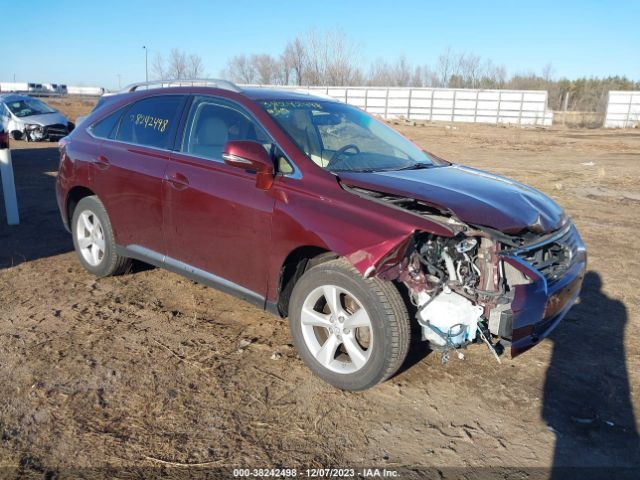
9, 187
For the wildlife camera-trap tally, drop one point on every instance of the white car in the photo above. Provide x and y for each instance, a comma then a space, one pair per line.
27, 118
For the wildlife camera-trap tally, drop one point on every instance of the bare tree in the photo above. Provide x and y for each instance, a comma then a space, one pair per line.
283, 71
402, 72
195, 67
469, 70
492, 76
267, 69
445, 67
323, 58
331, 58
295, 60
429, 77
417, 77
314, 73
399, 74
379, 74
240, 69
340, 59
548, 72
179, 66
158, 67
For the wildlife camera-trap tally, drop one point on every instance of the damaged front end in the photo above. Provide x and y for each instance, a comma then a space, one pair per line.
482, 285
39, 133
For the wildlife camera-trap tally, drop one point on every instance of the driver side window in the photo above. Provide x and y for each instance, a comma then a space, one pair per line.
212, 123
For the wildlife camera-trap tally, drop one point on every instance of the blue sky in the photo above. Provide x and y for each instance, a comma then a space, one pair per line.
91, 42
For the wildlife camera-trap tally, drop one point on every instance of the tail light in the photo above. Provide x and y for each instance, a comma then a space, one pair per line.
4, 140
62, 146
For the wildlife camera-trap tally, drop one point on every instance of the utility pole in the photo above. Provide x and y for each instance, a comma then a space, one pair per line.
146, 64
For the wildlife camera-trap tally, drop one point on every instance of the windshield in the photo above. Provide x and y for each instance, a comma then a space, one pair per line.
29, 106
342, 138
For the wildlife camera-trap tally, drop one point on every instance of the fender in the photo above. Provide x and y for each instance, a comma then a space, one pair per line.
365, 232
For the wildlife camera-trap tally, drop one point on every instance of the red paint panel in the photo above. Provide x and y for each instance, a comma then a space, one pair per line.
220, 222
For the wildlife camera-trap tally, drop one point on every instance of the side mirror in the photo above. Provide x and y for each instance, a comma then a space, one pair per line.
250, 155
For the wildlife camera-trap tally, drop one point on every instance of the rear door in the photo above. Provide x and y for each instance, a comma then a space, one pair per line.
129, 169
217, 221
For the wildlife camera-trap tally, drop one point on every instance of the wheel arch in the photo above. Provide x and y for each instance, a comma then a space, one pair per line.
74, 196
295, 264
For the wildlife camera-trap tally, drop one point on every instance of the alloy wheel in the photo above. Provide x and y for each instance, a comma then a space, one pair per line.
336, 329
90, 238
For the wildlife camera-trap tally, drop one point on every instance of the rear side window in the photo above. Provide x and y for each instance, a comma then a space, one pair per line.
151, 122
106, 128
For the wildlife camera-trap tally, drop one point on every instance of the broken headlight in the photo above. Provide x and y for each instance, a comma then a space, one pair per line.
34, 132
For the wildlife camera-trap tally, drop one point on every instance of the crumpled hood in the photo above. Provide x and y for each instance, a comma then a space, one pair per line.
43, 119
472, 195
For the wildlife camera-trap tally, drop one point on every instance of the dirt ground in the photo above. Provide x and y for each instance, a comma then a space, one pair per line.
153, 370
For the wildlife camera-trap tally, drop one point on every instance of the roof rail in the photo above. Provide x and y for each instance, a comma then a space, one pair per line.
195, 82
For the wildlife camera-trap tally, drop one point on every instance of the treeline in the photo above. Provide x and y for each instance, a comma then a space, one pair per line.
331, 58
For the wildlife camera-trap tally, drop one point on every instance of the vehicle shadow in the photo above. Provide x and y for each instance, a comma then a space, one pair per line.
40, 233
587, 398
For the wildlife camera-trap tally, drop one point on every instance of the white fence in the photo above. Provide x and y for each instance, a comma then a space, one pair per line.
623, 109
521, 107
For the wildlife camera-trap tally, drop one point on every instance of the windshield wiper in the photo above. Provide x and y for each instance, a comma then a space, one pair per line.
416, 166
355, 170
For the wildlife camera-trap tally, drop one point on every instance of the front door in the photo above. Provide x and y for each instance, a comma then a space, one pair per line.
216, 220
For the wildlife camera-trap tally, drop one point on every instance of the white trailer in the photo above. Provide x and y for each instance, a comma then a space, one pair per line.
71, 90
18, 87
54, 88
21, 87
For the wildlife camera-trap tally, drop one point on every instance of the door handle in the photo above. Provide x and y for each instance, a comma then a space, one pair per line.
102, 162
177, 180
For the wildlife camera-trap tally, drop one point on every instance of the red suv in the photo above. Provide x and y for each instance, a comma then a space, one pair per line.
315, 210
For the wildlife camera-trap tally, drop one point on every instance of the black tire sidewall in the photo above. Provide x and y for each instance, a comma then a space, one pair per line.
380, 357
94, 205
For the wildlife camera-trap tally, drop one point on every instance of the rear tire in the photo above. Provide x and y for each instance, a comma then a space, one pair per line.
350, 331
94, 241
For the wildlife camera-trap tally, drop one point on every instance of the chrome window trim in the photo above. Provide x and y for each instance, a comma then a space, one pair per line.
296, 174
165, 150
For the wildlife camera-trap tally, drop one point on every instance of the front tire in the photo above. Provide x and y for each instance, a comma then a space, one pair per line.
350, 331
94, 241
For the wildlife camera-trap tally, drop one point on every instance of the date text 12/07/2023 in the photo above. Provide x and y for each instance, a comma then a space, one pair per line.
315, 473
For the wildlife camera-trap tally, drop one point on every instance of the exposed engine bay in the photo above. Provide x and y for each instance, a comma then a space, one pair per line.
463, 287
455, 284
